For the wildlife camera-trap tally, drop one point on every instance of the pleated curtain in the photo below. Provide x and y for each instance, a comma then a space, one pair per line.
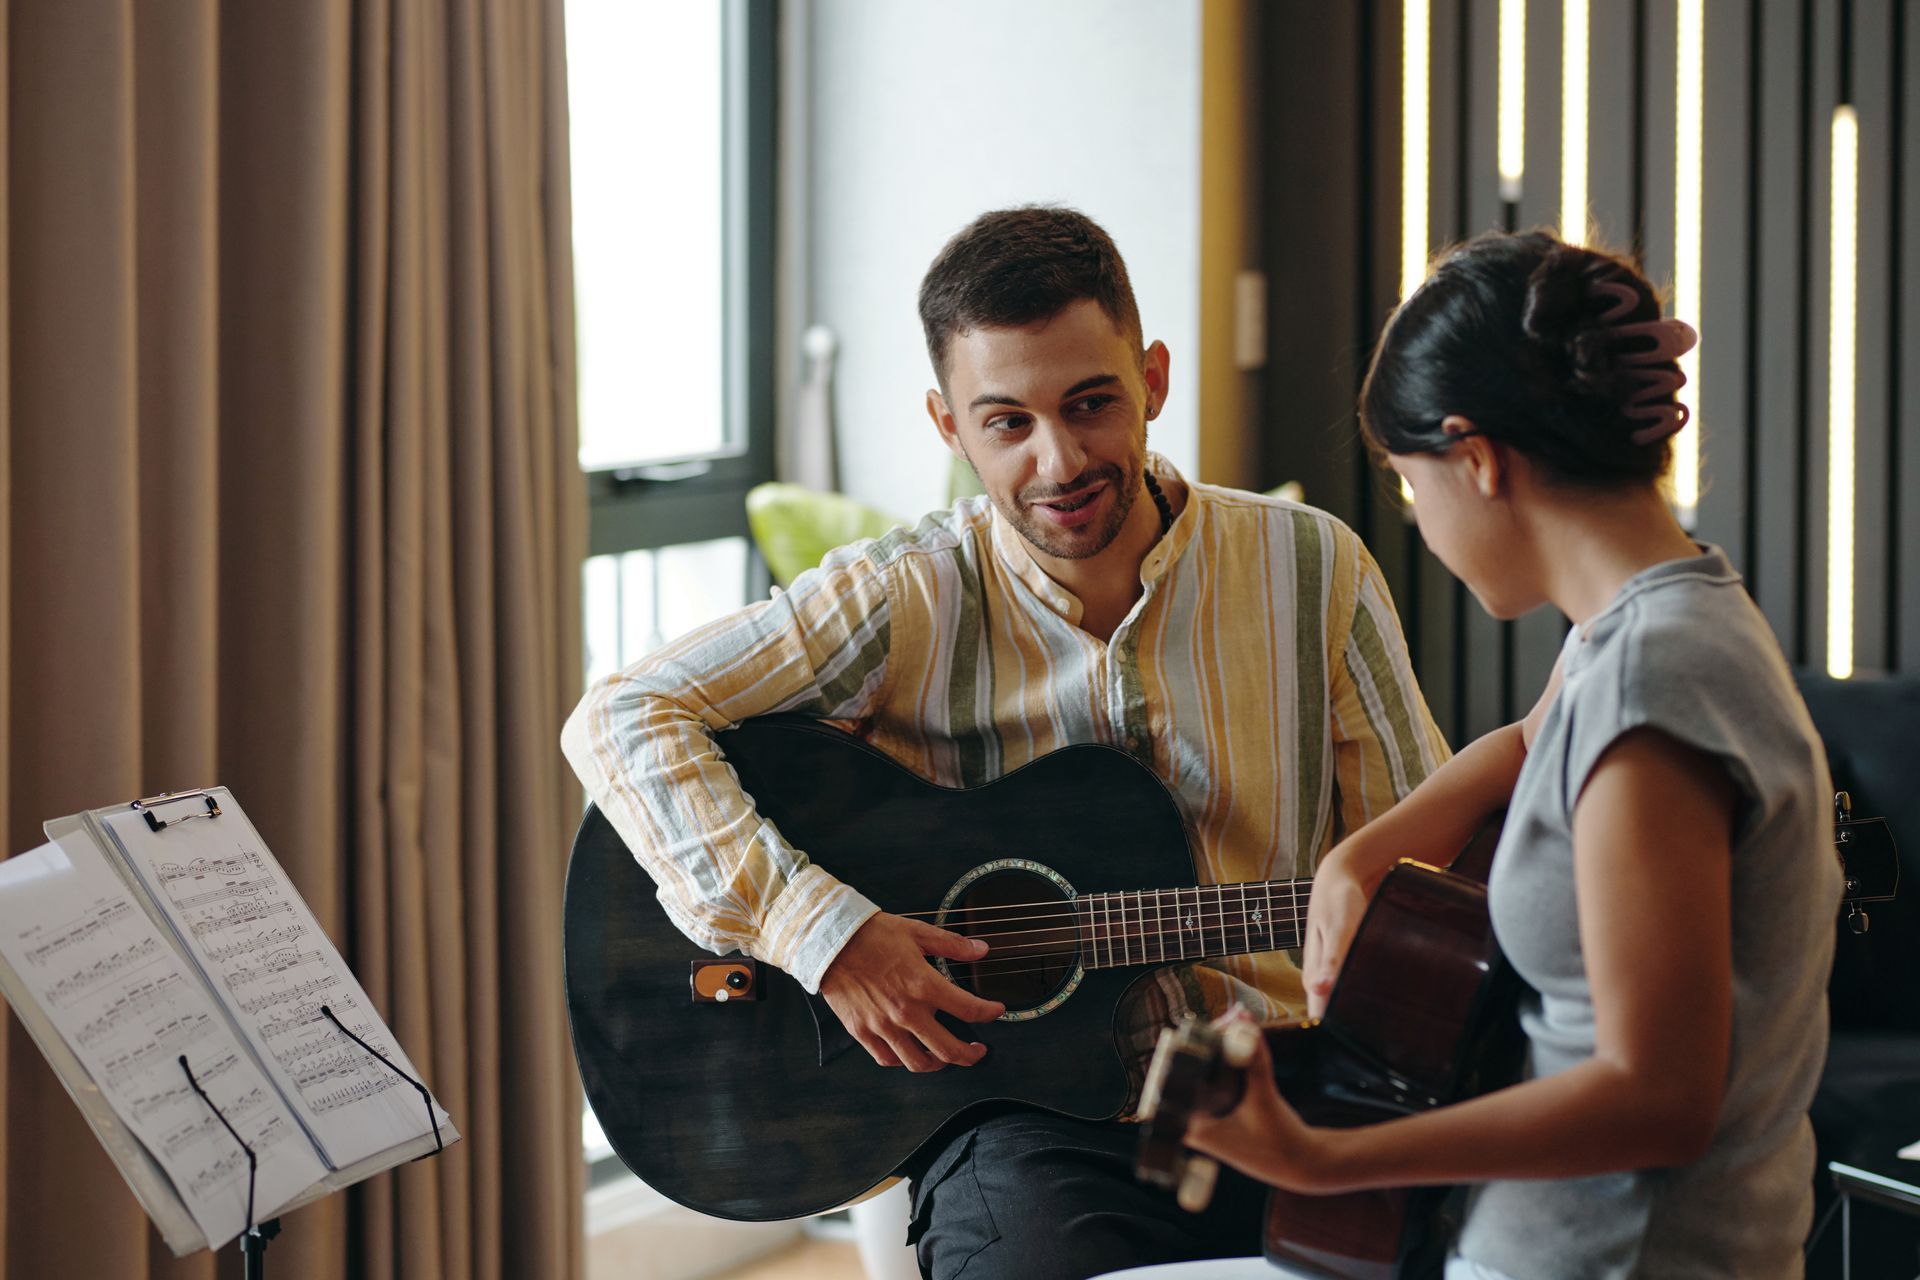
287, 453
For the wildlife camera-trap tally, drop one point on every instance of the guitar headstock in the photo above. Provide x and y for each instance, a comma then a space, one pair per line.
1869, 860
1197, 1069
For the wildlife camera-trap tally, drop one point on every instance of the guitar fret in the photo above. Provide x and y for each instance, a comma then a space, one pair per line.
1160, 921
1246, 920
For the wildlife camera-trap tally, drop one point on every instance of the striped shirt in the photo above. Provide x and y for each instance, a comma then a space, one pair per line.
1262, 675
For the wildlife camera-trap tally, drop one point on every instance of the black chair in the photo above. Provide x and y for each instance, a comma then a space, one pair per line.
1870, 1091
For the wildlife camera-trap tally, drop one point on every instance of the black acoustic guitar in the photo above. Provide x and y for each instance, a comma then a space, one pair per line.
725, 1087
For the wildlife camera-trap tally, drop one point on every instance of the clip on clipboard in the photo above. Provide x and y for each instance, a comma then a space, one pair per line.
145, 807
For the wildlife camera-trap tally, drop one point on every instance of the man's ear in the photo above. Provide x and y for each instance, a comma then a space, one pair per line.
943, 423
1153, 367
1486, 460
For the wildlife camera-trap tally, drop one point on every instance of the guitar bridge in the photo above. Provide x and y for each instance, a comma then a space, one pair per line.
718, 981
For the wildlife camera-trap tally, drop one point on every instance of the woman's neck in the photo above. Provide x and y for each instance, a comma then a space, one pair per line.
1592, 543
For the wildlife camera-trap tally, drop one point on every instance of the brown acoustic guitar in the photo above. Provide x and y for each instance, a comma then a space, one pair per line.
1423, 1014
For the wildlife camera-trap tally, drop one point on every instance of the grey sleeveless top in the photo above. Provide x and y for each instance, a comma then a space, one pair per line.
1681, 649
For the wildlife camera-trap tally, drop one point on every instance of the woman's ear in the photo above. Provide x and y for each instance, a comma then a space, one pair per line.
1486, 459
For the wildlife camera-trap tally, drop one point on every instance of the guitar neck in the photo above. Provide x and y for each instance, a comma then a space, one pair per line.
1164, 926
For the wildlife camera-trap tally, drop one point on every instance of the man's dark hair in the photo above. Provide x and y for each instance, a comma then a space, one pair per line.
1018, 266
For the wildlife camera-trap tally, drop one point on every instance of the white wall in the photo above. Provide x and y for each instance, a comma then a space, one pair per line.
924, 113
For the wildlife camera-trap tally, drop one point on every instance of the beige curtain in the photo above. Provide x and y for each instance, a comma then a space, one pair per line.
287, 456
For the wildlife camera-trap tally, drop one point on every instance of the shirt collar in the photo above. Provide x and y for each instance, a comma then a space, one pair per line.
1017, 556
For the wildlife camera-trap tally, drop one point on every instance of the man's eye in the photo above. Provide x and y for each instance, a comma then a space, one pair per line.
1093, 404
1007, 422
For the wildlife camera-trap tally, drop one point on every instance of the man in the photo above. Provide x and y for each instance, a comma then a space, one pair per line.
1243, 648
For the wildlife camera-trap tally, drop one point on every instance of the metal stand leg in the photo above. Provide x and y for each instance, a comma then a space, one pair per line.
253, 1248
1846, 1237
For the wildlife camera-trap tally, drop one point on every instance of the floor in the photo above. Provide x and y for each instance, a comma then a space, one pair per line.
803, 1260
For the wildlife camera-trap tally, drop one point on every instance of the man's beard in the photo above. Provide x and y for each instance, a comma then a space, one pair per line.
1076, 544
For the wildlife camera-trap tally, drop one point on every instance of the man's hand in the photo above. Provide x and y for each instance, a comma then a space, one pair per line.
885, 993
1333, 914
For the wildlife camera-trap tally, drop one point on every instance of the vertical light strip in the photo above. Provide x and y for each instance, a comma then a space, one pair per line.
1689, 119
1841, 305
1513, 97
1415, 19
1573, 122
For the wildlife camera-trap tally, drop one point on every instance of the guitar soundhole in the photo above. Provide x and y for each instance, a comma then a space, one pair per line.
1033, 956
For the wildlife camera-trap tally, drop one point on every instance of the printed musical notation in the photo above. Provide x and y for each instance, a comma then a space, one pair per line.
258, 944
126, 1004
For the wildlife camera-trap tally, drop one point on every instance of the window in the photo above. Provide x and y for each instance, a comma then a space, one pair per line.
672, 156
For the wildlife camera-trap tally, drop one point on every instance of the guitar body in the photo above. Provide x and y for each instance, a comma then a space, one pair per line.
1423, 1014
760, 1106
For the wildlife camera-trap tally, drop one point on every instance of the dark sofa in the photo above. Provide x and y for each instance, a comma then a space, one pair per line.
1870, 1093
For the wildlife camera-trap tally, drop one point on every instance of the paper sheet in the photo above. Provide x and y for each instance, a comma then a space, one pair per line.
1911, 1151
255, 938
129, 1007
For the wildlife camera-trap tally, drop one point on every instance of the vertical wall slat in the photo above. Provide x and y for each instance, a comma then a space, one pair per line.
1483, 691
1440, 598
1610, 117
1536, 638
1386, 529
1720, 401
1314, 236
1904, 565
1822, 92
1872, 85
1779, 301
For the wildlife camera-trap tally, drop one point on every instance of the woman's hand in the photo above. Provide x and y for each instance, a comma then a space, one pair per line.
1263, 1137
1338, 901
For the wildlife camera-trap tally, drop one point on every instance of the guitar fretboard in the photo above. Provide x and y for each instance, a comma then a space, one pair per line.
1159, 926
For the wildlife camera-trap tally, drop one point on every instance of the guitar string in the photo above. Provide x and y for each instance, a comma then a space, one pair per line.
1071, 924
1216, 890
1246, 924
1009, 973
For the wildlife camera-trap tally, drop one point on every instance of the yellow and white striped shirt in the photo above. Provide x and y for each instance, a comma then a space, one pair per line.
1262, 675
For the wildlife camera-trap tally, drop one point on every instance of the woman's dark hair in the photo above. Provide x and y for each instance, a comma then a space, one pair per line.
1508, 333
1017, 266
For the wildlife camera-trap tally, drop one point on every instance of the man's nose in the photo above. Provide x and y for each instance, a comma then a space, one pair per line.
1061, 457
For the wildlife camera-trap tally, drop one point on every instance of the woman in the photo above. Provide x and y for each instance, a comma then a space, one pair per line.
1665, 884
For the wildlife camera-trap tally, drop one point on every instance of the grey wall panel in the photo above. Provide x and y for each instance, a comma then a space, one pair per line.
1314, 232
1780, 300
1612, 116
1903, 565
1720, 401
1379, 279
1873, 55
1821, 92
1483, 691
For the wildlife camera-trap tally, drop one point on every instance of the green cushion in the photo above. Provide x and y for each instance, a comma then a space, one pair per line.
795, 527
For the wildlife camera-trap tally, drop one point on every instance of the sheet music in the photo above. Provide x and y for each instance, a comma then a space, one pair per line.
128, 1005
256, 940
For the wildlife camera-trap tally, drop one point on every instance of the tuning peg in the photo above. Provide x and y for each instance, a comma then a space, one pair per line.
1238, 1043
1842, 806
1856, 919
1196, 1183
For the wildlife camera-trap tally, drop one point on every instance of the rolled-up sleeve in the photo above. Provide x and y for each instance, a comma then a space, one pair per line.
642, 743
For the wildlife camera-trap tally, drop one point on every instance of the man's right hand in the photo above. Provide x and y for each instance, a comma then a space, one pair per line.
885, 993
